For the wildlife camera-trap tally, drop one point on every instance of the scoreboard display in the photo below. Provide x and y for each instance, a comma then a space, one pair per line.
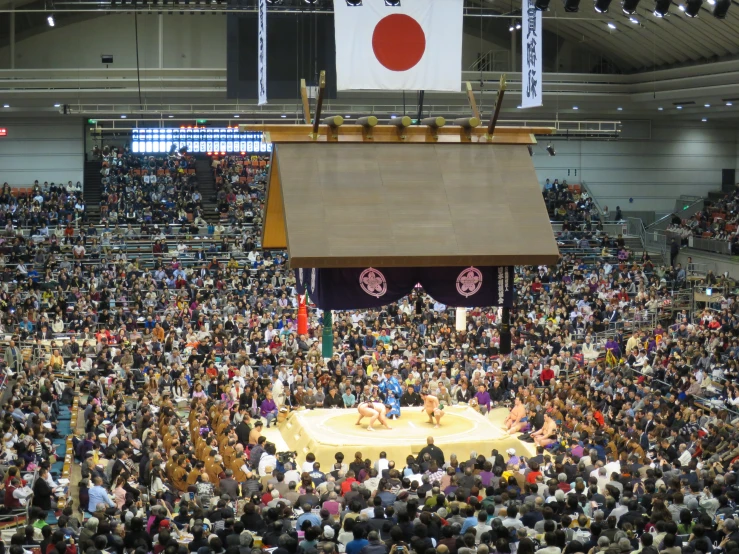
197, 140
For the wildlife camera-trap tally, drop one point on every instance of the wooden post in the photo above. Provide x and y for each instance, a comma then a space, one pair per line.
496, 111
433, 123
402, 123
319, 103
467, 124
367, 123
306, 103
472, 101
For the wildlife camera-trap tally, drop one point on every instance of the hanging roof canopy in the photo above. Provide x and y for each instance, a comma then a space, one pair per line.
434, 202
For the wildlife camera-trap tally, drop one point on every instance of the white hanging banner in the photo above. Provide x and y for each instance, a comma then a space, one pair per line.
262, 53
531, 75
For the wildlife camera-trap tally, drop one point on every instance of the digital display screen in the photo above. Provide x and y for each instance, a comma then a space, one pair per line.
230, 141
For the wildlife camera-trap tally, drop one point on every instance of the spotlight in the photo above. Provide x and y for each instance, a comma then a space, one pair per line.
274, 2
50, 20
692, 7
662, 7
601, 6
511, 28
550, 150
394, 3
629, 6
572, 6
611, 25
542, 5
518, 26
720, 8
353, 2
634, 20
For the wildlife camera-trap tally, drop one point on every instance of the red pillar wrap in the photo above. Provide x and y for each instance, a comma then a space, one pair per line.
302, 315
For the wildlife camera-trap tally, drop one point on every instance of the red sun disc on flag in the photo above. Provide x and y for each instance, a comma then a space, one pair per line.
398, 42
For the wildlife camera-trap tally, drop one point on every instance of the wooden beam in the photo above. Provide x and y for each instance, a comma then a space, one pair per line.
496, 112
306, 103
472, 101
389, 133
319, 103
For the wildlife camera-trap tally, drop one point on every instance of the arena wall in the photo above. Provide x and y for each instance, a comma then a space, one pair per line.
36, 149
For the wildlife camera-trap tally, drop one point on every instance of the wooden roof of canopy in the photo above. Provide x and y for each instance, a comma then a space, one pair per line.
455, 199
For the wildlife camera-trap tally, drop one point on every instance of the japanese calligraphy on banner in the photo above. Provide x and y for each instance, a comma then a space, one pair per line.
531, 37
262, 53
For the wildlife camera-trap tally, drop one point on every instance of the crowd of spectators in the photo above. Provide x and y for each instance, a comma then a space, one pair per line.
183, 360
153, 189
571, 204
238, 180
47, 204
716, 221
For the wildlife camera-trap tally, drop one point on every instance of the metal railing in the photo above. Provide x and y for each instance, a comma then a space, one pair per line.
612, 229
710, 245
656, 241
691, 206
492, 60
699, 399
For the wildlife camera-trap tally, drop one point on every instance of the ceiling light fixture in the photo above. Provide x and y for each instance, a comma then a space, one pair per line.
170, 116
542, 5
662, 7
601, 6
572, 6
679, 107
50, 20
123, 117
550, 150
634, 20
57, 105
629, 6
236, 115
620, 109
693, 7
660, 108
518, 26
575, 108
729, 104
6, 105
353, 2
706, 105
611, 25
704, 120
721, 8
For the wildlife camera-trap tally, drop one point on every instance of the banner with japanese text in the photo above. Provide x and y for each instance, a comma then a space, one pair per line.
262, 53
531, 74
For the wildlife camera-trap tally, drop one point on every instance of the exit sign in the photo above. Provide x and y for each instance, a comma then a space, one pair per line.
3, 132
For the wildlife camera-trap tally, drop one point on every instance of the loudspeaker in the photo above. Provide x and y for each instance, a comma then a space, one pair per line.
728, 180
505, 332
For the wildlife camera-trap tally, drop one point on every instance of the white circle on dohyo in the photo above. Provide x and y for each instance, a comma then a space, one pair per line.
373, 282
469, 281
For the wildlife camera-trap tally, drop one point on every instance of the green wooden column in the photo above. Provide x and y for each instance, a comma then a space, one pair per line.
328, 334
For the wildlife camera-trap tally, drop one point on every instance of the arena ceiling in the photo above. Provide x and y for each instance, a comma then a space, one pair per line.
663, 67
641, 41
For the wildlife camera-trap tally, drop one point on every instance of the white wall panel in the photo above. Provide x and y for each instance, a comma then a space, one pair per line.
680, 158
42, 150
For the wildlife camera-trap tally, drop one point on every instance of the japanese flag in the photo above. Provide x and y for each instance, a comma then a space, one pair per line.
414, 45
